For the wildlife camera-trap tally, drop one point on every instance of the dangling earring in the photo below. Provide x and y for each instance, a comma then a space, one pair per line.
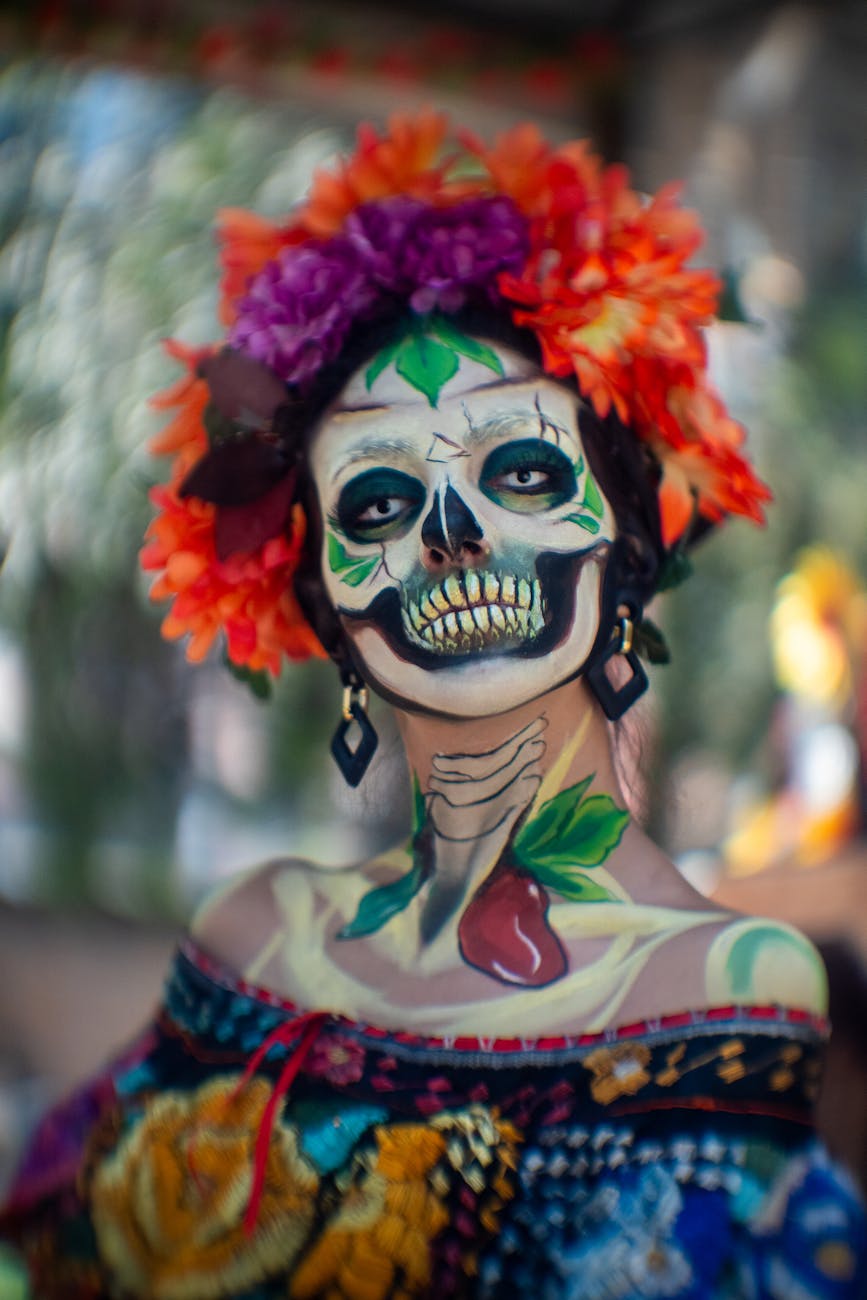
616, 700
353, 763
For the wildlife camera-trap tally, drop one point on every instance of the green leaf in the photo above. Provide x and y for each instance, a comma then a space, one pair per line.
468, 347
571, 831
382, 359
574, 884
593, 832
426, 365
592, 498
650, 643
258, 682
353, 569
543, 829
585, 521
381, 904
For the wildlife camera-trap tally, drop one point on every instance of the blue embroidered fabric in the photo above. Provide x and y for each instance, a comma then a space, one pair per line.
242, 1149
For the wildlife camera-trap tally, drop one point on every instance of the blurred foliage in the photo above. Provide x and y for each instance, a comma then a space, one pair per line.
111, 182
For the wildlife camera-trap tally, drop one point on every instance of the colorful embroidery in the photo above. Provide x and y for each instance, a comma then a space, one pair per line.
672, 1160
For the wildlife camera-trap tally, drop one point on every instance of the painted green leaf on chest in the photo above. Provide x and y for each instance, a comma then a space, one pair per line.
381, 904
350, 568
570, 833
385, 901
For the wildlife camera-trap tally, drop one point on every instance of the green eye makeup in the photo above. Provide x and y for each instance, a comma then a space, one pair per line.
528, 476
378, 504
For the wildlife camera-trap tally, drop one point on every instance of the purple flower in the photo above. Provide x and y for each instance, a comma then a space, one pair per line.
299, 308
457, 252
381, 232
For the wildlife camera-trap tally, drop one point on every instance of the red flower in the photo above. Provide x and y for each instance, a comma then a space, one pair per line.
248, 596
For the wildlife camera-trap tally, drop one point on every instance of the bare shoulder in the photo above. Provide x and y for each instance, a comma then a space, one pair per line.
760, 961
238, 918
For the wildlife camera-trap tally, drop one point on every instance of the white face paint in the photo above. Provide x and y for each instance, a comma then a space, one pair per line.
464, 544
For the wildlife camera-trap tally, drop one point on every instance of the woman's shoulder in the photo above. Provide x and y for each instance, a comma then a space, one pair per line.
762, 961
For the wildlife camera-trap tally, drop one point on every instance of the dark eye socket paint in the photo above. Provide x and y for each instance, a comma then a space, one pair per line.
528, 475
378, 504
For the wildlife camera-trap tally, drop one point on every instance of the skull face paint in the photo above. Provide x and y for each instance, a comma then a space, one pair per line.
464, 544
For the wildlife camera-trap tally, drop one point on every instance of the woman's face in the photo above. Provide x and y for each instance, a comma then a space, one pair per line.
463, 544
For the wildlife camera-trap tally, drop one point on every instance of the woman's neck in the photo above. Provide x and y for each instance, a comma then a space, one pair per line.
479, 781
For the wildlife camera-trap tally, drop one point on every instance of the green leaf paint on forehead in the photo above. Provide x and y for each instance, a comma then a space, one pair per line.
429, 354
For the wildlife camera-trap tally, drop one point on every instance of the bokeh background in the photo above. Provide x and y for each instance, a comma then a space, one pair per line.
130, 783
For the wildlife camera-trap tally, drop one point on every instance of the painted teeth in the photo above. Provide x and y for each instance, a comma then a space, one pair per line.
454, 593
467, 612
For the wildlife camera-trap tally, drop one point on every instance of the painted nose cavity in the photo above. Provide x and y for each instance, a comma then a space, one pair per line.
451, 534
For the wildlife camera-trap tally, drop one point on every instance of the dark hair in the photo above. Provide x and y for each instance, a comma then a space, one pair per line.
625, 468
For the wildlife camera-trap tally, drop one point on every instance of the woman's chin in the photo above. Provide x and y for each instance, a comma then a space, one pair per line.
479, 685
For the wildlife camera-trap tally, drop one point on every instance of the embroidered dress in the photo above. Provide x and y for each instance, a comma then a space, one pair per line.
245, 1149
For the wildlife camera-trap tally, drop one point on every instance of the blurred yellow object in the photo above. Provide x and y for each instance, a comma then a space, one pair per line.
819, 618
782, 829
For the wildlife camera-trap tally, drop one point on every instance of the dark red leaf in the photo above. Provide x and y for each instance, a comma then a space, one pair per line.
247, 527
242, 389
236, 473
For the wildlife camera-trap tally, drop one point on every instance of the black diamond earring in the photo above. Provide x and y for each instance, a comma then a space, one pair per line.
353, 763
616, 700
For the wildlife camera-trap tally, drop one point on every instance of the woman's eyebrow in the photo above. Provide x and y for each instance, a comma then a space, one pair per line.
373, 447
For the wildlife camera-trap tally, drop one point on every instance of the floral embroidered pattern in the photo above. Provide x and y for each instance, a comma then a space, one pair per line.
168, 1205
618, 1071
404, 1167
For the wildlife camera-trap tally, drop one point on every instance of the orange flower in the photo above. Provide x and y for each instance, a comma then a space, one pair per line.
247, 242
383, 1226
249, 597
402, 161
168, 1205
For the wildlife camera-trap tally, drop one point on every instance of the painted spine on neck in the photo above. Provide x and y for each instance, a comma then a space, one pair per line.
505, 930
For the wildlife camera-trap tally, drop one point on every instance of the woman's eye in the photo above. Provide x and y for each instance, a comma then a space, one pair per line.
525, 480
378, 504
528, 476
384, 510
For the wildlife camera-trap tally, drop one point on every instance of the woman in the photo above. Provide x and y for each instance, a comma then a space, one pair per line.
460, 433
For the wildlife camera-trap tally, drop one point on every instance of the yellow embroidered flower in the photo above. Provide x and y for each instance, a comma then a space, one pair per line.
377, 1243
618, 1071
168, 1205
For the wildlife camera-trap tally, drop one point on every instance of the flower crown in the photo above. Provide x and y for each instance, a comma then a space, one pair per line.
417, 224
